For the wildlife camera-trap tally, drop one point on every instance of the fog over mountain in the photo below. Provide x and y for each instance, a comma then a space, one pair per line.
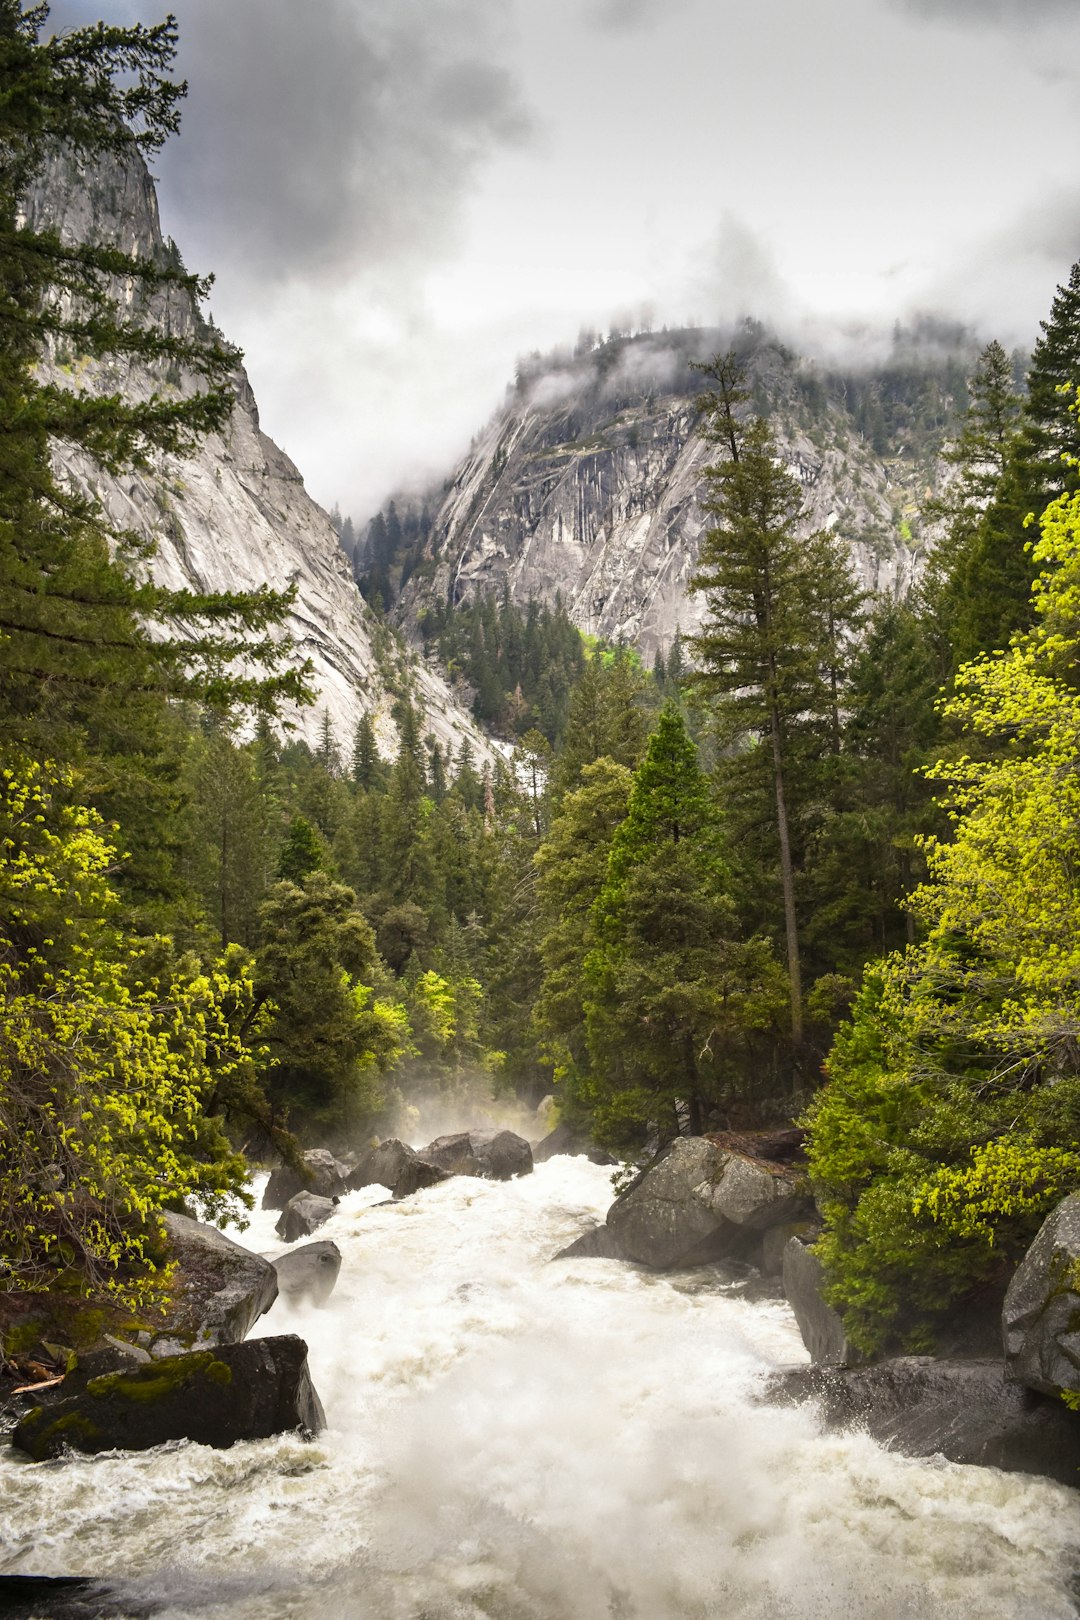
399, 198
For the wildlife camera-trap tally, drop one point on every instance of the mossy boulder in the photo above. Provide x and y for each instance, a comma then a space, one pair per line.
215, 1397
1041, 1315
219, 1291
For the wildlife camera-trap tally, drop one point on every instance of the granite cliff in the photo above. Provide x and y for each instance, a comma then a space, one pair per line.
589, 481
235, 515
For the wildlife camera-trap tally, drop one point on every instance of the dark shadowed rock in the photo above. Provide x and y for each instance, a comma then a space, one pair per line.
306, 1276
598, 1244
496, 1155
302, 1215
1040, 1319
821, 1327
68, 1597
965, 1410
398, 1167
699, 1202
325, 1176
214, 1397
220, 1288
578, 1144
776, 1239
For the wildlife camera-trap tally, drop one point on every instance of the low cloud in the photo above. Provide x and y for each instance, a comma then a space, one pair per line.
991, 13
334, 138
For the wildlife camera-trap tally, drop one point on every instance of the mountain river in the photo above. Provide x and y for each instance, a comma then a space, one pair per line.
515, 1440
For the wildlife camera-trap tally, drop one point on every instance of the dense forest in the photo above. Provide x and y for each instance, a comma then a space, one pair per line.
818, 863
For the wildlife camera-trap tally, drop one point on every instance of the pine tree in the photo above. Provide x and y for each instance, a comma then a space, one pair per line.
670, 993
302, 852
768, 652
367, 767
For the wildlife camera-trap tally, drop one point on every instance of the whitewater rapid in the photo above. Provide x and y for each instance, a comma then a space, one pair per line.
512, 1439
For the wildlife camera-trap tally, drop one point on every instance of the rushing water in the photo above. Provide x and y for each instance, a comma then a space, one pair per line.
515, 1439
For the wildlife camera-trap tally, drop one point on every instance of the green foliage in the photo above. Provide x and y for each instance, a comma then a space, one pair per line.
105, 1069
949, 1126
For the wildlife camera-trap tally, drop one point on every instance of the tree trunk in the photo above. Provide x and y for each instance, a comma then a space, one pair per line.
787, 878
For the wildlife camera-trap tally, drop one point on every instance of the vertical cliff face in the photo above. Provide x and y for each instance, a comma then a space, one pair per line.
590, 482
235, 515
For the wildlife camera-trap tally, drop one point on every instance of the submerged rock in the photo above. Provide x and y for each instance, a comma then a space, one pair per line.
821, 1327
307, 1276
496, 1155
220, 1288
302, 1215
397, 1167
597, 1244
965, 1410
326, 1176
1040, 1319
578, 1144
700, 1202
214, 1397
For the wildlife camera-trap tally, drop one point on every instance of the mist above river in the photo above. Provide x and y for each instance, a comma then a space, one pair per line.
519, 1440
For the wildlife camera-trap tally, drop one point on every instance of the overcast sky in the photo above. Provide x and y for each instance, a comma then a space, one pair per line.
398, 197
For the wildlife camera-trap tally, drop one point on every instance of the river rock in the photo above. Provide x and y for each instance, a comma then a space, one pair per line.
821, 1327
565, 1139
219, 1289
306, 1276
496, 1155
596, 1244
214, 1397
1040, 1319
700, 1202
302, 1215
67, 1597
396, 1166
324, 1175
966, 1411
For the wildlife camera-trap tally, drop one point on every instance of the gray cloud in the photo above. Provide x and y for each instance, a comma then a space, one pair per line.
322, 138
988, 12
621, 16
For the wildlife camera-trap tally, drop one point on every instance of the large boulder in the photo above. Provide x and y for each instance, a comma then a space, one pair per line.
565, 1139
214, 1397
965, 1410
1040, 1319
323, 1175
821, 1327
306, 1276
302, 1215
397, 1167
219, 1288
496, 1155
700, 1202
595, 1244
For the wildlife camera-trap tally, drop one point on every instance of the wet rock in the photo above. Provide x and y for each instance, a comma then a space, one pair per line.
821, 1327
700, 1202
965, 1410
67, 1597
220, 1289
1040, 1319
302, 1215
775, 1241
397, 1166
597, 1244
214, 1397
326, 1176
496, 1155
578, 1144
307, 1276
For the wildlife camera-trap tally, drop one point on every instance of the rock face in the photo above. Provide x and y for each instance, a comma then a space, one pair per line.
397, 1167
1041, 1316
220, 1290
307, 1276
597, 1244
326, 1176
214, 1397
235, 516
821, 1327
302, 1215
966, 1410
700, 1202
495, 1155
589, 482
564, 1139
